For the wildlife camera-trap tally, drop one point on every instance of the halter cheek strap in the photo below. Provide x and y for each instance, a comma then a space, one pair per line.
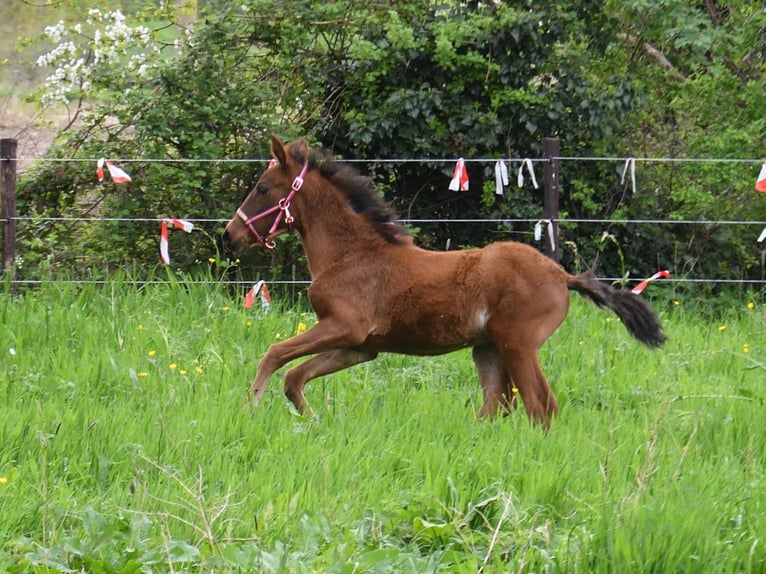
282, 209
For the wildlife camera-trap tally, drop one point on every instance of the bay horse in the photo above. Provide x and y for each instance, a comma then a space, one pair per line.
374, 291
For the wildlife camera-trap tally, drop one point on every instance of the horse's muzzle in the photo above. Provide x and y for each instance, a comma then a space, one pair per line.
226, 242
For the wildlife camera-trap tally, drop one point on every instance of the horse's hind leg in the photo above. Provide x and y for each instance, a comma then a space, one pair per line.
494, 380
321, 364
526, 374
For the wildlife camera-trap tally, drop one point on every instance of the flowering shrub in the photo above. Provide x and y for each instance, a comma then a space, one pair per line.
103, 57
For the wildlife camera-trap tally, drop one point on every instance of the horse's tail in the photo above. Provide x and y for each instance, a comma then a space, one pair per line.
636, 314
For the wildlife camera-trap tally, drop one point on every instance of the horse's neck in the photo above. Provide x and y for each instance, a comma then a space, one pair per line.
331, 231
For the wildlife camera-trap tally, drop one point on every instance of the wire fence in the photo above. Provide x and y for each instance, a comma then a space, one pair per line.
629, 162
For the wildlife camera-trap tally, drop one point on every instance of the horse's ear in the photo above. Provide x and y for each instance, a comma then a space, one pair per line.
278, 150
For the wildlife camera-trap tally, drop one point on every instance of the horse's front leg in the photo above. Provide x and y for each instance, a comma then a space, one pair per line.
322, 364
326, 335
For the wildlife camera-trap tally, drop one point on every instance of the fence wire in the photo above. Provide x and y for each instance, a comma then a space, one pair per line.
487, 160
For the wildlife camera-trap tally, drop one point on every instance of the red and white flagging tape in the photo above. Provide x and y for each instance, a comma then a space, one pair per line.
760, 183
187, 226
118, 175
459, 181
664, 274
259, 289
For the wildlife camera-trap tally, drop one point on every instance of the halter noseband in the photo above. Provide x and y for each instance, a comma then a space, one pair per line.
283, 209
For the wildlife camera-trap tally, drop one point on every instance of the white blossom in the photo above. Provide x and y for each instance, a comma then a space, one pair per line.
82, 65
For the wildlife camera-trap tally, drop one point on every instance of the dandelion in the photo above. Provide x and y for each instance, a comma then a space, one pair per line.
142, 374
182, 372
172, 366
225, 308
745, 348
301, 327
514, 390
249, 324
278, 336
211, 259
198, 370
751, 305
676, 302
151, 352
139, 327
3, 480
722, 328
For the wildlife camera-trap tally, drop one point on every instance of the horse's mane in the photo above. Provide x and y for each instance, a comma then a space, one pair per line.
362, 196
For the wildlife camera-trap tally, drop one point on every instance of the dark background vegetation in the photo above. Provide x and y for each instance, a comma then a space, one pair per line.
414, 80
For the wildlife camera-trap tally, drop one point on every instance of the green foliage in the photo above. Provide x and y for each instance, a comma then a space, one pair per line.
412, 80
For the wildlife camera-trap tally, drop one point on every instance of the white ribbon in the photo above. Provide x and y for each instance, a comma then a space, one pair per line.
530, 169
539, 232
762, 236
501, 176
630, 163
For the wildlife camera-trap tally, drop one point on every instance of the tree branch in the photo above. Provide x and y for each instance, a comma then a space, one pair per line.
654, 54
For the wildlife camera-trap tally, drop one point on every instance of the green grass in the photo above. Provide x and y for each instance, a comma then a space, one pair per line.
126, 447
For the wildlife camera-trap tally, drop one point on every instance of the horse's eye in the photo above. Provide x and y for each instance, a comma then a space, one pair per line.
261, 189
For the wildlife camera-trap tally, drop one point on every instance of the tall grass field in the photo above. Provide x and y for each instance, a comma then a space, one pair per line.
126, 445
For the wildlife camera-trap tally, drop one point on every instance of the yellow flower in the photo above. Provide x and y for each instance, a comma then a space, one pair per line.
142, 374
745, 348
722, 328
751, 305
225, 308
197, 370
3, 480
301, 327
172, 366
151, 352
514, 390
676, 302
139, 327
182, 372
278, 336
211, 259
248, 324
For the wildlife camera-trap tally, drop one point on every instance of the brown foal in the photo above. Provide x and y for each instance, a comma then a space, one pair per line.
374, 291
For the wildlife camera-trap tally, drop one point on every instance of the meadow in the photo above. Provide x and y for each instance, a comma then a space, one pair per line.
126, 445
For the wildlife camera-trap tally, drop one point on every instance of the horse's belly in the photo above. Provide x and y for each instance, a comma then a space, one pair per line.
429, 334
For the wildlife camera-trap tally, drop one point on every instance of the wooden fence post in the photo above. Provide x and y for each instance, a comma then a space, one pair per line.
551, 148
8, 198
